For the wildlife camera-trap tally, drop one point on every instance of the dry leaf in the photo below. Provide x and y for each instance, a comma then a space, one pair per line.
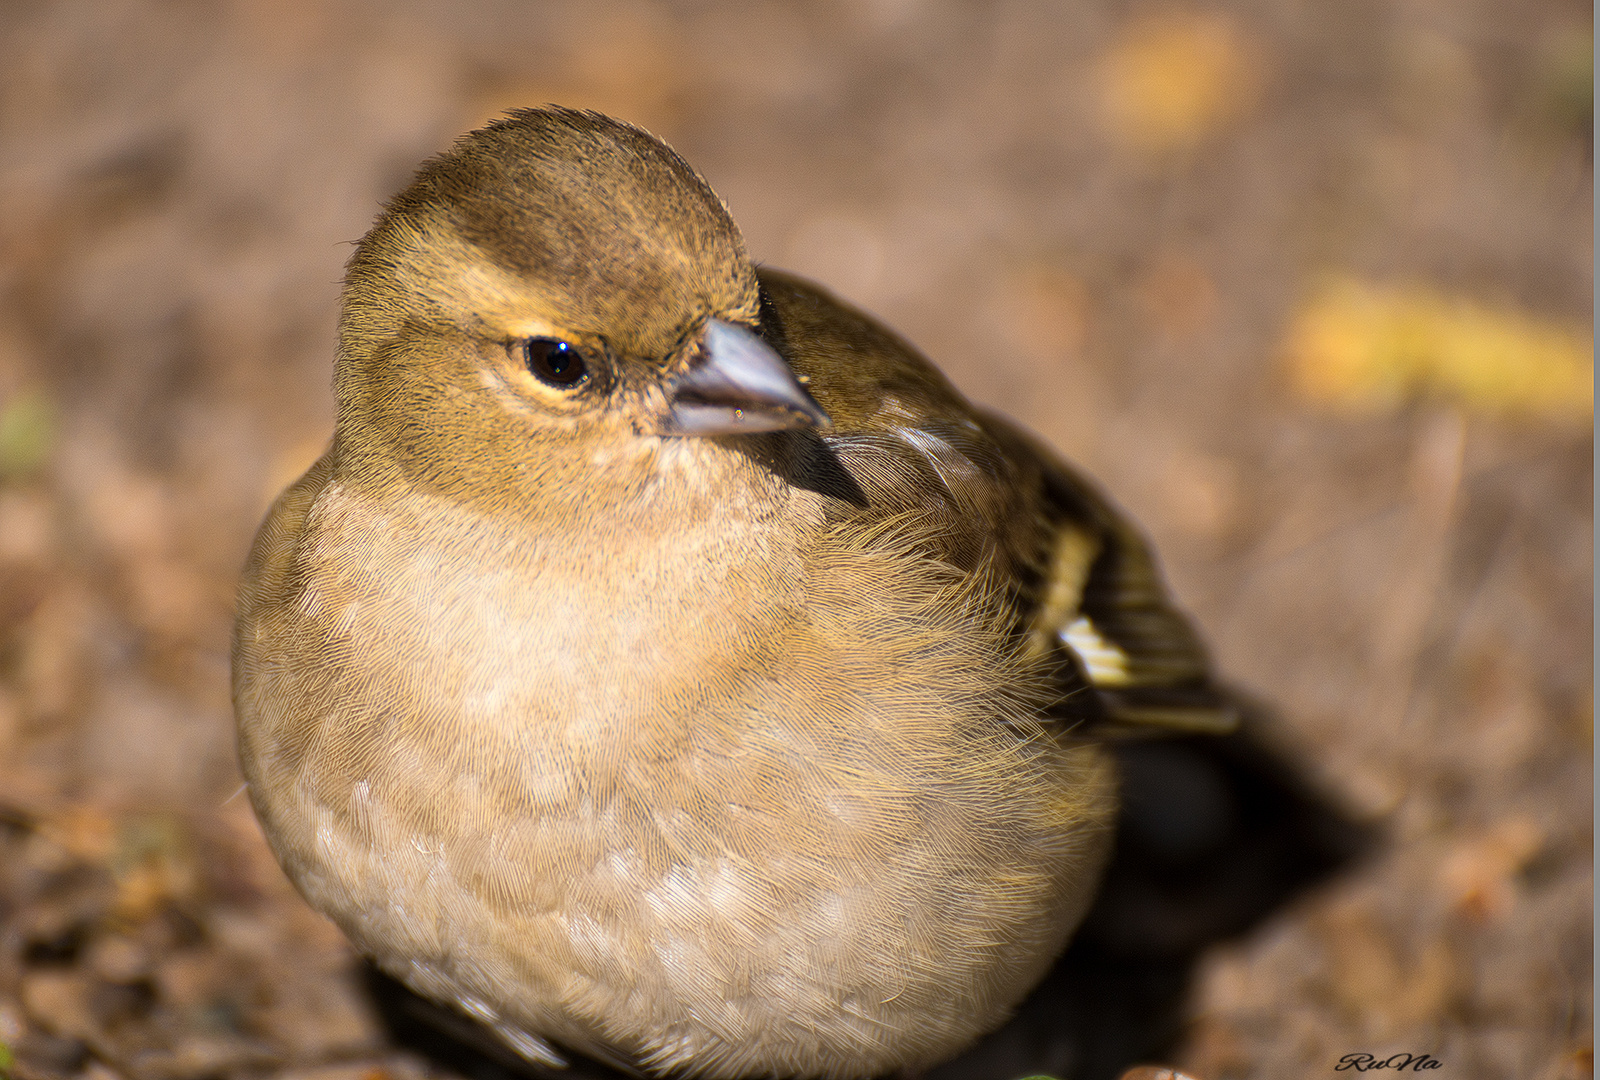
58, 1001
1480, 874
1358, 345
86, 831
1172, 79
154, 865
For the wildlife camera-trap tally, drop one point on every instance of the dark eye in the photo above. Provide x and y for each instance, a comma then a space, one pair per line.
554, 362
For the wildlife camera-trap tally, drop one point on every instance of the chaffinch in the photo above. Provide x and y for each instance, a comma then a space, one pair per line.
665, 662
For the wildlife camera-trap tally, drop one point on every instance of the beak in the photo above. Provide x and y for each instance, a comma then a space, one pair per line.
738, 386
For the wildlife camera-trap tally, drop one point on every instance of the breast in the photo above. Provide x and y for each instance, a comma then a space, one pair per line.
785, 812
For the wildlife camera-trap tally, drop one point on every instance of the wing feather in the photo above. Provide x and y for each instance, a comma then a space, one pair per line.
1083, 590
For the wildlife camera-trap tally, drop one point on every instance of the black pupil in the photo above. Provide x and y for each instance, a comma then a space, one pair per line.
556, 362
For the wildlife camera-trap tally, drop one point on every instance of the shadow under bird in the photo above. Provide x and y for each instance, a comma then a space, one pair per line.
665, 663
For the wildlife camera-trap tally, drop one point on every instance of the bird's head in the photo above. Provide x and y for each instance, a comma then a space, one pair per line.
554, 291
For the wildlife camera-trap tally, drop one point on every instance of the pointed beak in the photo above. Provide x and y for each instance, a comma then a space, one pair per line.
738, 385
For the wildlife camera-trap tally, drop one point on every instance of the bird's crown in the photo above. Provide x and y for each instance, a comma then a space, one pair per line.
571, 217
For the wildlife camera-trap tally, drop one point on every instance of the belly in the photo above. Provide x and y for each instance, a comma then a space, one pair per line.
824, 837
744, 915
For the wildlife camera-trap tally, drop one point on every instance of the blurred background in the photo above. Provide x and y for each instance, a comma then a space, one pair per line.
1307, 285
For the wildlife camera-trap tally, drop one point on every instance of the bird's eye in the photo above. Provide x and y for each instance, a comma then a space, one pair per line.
554, 362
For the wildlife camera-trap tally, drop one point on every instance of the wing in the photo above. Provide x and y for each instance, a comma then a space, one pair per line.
1083, 589
1093, 591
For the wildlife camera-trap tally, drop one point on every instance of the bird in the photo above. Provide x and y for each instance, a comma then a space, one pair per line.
665, 663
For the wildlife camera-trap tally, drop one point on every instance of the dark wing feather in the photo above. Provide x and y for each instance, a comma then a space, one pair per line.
1101, 598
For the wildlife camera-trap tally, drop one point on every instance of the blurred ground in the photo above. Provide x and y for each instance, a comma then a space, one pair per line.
1307, 285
